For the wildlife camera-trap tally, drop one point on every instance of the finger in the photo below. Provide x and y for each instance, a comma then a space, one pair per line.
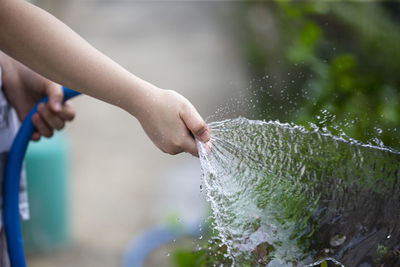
52, 119
35, 136
189, 145
41, 126
68, 112
55, 93
195, 123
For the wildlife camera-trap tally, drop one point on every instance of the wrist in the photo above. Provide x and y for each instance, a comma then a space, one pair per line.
140, 98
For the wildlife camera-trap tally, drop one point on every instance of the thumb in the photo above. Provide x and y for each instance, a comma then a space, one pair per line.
195, 123
55, 95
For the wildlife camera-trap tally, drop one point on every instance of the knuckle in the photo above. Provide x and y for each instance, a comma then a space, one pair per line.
59, 125
37, 121
41, 108
34, 118
164, 149
177, 143
44, 111
184, 108
171, 92
176, 95
183, 103
54, 89
68, 114
47, 134
171, 149
71, 116
174, 152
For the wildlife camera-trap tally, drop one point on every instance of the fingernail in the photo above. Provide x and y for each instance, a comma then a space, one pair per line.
205, 136
57, 106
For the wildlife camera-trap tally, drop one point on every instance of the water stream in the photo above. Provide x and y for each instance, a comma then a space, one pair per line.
284, 196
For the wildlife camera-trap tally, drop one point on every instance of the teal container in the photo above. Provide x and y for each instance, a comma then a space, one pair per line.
46, 165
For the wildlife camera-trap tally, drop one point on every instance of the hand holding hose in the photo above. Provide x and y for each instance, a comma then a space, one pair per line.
24, 88
171, 121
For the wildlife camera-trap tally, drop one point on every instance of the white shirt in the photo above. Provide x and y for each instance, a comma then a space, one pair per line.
9, 125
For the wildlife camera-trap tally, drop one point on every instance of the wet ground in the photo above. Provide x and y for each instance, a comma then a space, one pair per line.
120, 182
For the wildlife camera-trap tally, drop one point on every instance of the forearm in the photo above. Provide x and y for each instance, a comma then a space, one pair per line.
46, 45
49, 47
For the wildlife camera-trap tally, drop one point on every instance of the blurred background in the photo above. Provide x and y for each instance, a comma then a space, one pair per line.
334, 65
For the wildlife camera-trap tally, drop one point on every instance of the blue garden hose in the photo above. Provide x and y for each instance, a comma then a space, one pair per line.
12, 180
138, 250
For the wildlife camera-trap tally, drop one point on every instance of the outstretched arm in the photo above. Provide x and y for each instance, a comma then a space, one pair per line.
49, 47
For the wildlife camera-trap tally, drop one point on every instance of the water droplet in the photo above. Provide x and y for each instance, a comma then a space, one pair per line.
337, 240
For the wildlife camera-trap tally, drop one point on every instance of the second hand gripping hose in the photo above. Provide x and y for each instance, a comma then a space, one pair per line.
12, 180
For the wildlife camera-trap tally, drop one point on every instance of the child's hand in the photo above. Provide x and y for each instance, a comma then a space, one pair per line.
169, 119
24, 88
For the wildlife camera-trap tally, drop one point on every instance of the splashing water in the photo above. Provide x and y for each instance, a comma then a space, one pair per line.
284, 196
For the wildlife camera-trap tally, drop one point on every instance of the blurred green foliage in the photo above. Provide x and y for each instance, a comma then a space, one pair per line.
334, 64
209, 254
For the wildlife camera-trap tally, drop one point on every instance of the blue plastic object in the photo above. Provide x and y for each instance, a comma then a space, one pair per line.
140, 248
12, 179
